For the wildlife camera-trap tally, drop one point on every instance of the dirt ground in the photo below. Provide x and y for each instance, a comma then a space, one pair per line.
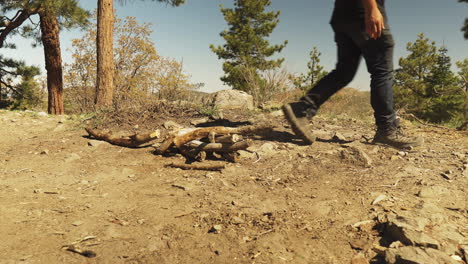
287, 203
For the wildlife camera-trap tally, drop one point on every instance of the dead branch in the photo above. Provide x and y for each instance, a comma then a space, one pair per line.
205, 132
207, 167
229, 139
130, 141
218, 147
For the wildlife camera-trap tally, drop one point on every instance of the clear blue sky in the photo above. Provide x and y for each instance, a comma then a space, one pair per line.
186, 32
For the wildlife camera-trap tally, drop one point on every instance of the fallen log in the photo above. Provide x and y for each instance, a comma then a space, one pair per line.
218, 147
196, 134
129, 141
207, 167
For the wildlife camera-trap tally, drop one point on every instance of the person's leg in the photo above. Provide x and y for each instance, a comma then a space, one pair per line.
349, 57
378, 55
299, 113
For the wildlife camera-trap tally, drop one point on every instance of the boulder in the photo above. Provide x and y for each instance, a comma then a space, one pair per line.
232, 99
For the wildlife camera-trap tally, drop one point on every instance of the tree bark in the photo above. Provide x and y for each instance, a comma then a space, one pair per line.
105, 54
53, 61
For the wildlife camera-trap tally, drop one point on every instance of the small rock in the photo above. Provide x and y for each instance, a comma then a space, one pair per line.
246, 154
72, 157
141, 221
358, 224
402, 153
277, 113
338, 136
358, 244
446, 176
182, 187
199, 121
356, 155
171, 125
43, 114
237, 220
379, 199
399, 229
396, 244
77, 223
266, 150
359, 259
96, 143
416, 255
216, 229
322, 134
45, 152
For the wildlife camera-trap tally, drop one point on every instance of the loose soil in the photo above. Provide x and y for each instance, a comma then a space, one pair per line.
289, 203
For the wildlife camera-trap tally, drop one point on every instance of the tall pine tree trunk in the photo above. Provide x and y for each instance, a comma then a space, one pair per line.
53, 61
105, 55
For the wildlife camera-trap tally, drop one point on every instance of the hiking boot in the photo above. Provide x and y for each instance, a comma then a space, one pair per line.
299, 115
394, 137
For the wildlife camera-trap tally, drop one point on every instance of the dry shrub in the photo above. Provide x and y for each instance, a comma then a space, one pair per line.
141, 76
264, 86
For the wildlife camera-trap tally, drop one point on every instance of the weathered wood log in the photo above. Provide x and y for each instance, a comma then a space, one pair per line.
229, 139
193, 153
204, 132
186, 135
193, 166
218, 147
212, 137
129, 141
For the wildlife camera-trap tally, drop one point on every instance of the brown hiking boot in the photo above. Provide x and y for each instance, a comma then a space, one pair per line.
299, 115
394, 137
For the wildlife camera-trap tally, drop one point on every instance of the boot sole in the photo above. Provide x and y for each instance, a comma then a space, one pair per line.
299, 130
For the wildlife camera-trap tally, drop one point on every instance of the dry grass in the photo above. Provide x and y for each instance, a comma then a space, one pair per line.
349, 103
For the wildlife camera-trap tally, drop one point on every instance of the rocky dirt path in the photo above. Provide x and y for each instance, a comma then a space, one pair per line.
336, 200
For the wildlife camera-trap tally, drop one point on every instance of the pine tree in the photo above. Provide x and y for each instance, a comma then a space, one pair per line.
316, 72
425, 84
18, 87
53, 15
247, 48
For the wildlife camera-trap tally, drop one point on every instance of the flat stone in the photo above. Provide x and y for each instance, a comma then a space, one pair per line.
379, 199
77, 223
356, 155
216, 229
399, 229
96, 143
415, 255
199, 121
359, 259
277, 113
246, 154
322, 134
237, 220
72, 157
171, 125
339, 136
266, 150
